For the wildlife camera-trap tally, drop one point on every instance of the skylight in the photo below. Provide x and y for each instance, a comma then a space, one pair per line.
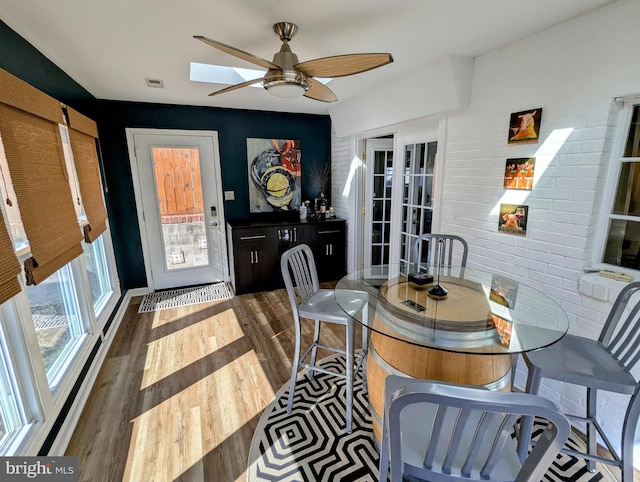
220, 74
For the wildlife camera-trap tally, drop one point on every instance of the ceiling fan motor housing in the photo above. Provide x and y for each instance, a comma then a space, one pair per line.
287, 74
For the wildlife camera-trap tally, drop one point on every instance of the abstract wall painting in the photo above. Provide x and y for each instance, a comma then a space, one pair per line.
274, 170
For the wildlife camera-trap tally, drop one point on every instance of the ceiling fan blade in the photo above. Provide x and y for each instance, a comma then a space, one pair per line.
236, 86
241, 54
341, 65
319, 91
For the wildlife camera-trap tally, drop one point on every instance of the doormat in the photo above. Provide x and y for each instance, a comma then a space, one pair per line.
162, 300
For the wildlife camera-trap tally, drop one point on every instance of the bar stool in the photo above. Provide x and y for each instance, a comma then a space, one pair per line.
602, 364
299, 273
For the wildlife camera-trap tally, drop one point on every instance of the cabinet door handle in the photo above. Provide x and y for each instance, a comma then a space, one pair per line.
258, 236
331, 249
251, 252
257, 261
329, 232
295, 235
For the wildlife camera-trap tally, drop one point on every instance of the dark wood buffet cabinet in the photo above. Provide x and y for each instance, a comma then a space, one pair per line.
255, 249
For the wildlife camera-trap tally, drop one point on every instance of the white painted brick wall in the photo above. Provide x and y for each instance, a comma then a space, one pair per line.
576, 90
340, 166
573, 71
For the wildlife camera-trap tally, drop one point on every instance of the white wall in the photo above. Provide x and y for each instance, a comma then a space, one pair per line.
409, 97
573, 71
344, 189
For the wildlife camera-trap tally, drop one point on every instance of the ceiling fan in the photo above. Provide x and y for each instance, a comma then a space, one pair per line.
287, 77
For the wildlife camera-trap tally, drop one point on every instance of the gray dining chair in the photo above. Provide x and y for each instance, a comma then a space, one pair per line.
439, 249
440, 431
602, 364
299, 273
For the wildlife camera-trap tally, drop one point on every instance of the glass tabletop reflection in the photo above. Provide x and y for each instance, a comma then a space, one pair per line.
461, 310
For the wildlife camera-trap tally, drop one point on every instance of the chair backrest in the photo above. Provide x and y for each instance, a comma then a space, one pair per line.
439, 431
299, 272
439, 250
621, 332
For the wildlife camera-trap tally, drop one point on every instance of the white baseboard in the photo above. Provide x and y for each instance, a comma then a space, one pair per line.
138, 292
61, 442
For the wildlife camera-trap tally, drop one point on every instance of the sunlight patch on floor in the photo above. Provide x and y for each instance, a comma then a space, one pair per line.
183, 428
188, 345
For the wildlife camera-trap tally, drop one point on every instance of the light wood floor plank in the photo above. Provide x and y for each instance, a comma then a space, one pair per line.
181, 391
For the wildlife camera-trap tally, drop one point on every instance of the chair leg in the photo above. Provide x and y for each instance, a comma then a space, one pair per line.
365, 348
628, 434
314, 350
526, 423
592, 433
350, 365
383, 468
514, 365
294, 366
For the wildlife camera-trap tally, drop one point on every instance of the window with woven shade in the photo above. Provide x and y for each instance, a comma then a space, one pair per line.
83, 133
29, 126
9, 266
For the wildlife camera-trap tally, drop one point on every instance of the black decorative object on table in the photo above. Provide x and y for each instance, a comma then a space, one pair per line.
437, 292
420, 279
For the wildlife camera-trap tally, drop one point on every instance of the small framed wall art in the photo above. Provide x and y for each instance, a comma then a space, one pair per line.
518, 173
524, 126
513, 219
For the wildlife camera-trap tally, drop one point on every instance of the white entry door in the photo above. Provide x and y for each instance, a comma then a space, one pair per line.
180, 207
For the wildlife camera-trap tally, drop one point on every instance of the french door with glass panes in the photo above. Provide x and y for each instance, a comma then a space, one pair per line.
378, 207
417, 198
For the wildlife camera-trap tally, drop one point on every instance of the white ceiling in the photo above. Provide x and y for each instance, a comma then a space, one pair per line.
111, 46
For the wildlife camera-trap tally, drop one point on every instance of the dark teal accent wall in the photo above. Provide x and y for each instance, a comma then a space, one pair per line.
21, 59
233, 128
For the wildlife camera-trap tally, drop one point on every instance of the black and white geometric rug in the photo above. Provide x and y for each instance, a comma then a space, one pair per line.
311, 443
162, 300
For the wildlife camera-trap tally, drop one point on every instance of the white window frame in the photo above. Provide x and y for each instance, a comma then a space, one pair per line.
26, 378
413, 176
39, 398
625, 107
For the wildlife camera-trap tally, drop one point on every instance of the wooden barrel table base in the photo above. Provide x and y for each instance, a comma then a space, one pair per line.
391, 353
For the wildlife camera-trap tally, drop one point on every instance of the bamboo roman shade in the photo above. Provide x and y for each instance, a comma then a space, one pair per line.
9, 266
83, 133
29, 128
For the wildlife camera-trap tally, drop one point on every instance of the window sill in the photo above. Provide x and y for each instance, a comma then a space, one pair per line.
597, 287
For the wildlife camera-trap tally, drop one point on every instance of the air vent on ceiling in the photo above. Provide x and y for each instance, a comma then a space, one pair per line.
155, 83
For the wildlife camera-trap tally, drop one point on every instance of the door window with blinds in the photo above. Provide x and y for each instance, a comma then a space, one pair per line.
417, 197
622, 244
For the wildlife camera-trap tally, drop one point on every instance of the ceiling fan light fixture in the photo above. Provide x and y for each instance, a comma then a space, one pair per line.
286, 91
286, 84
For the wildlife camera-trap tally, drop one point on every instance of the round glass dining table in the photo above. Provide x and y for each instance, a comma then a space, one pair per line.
482, 313
465, 326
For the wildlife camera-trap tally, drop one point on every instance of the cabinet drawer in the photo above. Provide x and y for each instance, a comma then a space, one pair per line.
250, 237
